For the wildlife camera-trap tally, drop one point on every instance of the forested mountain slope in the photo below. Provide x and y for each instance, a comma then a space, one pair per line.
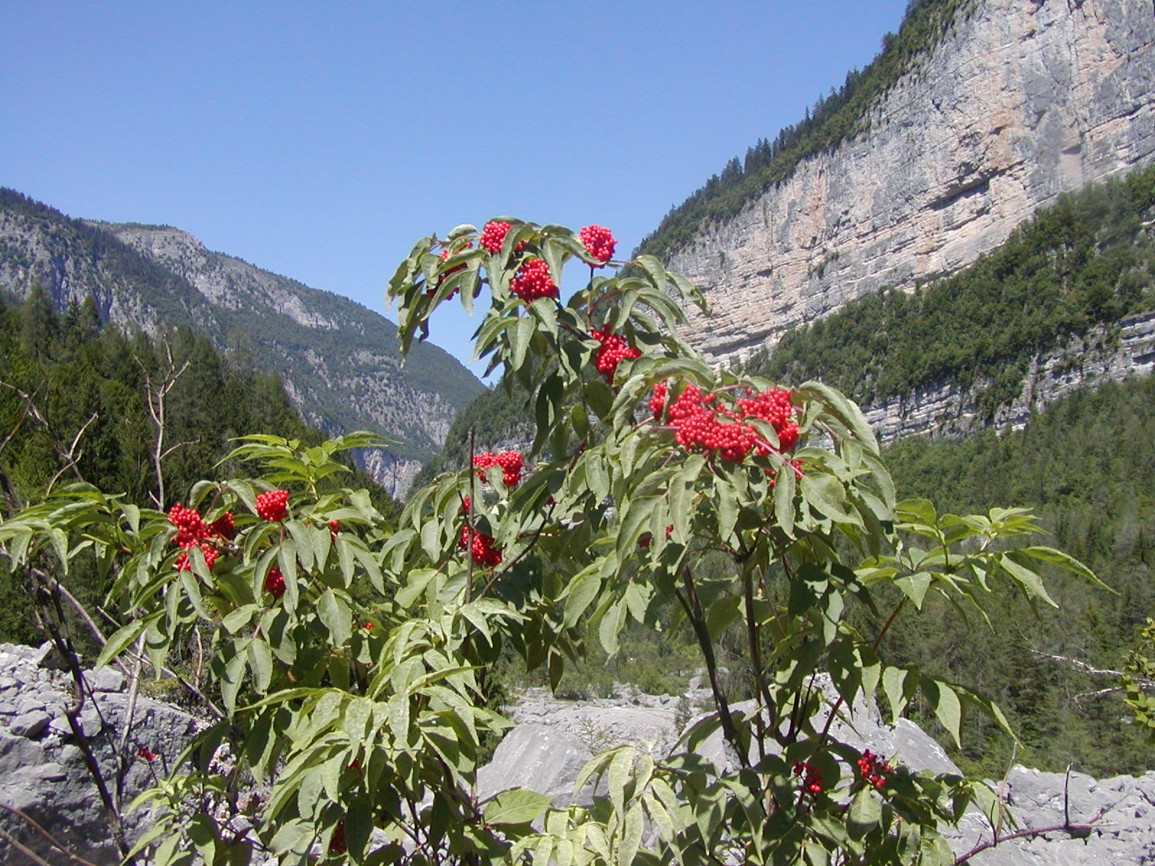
80, 400
338, 360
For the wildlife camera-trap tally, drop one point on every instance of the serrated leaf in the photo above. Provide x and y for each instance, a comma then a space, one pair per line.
914, 586
864, 814
946, 704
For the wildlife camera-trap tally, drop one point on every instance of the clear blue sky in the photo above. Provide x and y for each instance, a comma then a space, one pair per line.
319, 140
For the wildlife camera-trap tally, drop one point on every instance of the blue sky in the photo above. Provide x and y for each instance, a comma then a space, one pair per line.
320, 140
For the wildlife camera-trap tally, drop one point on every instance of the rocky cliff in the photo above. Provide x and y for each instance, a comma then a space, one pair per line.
1101, 356
339, 361
1021, 101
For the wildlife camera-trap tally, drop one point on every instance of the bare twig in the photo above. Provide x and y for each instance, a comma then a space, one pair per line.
157, 395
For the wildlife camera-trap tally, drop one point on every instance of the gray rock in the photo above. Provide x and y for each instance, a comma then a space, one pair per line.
107, 679
48, 779
50, 658
30, 724
542, 757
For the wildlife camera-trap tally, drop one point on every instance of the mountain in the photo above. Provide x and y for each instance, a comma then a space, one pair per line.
339, 360
975, 115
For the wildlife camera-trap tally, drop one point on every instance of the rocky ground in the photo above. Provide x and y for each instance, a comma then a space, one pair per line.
45, 780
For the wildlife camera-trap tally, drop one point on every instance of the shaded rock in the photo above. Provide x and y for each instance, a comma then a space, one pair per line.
43, 772
545, 758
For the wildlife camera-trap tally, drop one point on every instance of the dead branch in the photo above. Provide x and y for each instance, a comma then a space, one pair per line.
157, 394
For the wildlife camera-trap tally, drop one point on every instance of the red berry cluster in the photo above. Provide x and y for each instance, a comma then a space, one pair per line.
811, 778
192, 531
493, 235
146, 753
480, 546
273, 505
509, 461
598, 242
275, 582
613, 350
702, 422
533, 281
873, 768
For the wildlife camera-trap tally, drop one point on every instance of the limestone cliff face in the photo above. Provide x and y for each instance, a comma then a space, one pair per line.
1022, 101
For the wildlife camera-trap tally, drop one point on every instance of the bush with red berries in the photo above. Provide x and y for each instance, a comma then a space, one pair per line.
366, 742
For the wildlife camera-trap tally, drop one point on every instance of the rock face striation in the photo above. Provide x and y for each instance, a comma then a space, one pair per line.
339, 361
1022, 100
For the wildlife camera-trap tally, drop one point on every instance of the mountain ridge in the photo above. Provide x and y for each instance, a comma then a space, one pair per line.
339, 360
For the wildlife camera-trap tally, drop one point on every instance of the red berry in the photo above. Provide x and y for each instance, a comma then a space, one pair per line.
275, 582
533, 281
599, 242
223, 526
612, 351
493, 235
509, 461
272, 505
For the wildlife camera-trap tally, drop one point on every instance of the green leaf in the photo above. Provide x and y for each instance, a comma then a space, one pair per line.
520, 337
1028, 579
825, 494
580, 593
784, 489
336, 616
914, 586
864, 814
947, 706
261, 664
515, 806
898, 688
842, 409
1063, 560
124, 636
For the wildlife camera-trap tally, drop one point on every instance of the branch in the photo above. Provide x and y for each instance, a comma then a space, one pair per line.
1075, 829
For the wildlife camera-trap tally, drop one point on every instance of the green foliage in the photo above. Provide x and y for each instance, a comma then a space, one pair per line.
1084, 262
368, 740
1139, 679
1087, 467
839, 116
71, 380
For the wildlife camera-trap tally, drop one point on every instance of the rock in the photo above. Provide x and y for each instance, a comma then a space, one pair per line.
1019, 103
50, 658
29, 724
107, 679
546, 754
546, 758
43, 771
1124, 832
